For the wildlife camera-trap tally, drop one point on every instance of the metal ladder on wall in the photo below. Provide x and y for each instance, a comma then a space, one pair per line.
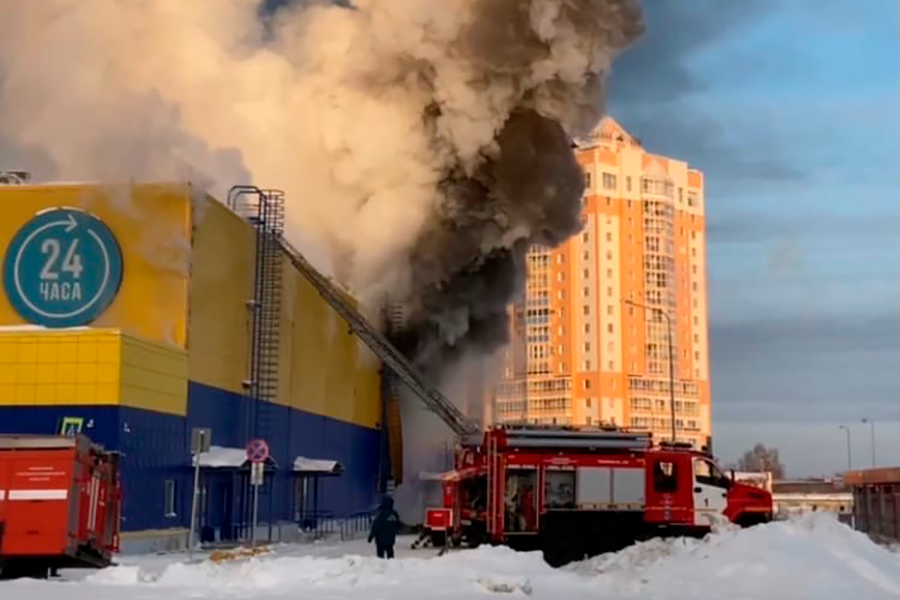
264, 209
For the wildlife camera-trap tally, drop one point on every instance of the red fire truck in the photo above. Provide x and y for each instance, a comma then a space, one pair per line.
59, 504
579, 492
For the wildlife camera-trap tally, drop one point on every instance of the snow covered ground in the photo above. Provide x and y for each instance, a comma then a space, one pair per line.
811, 558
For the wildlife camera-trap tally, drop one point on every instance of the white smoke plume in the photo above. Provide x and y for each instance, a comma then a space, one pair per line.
423, 144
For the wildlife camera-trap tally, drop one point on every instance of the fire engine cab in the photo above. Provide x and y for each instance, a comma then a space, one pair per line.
578, 492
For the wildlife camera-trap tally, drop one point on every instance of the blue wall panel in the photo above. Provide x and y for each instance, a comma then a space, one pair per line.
155, 447
293, 433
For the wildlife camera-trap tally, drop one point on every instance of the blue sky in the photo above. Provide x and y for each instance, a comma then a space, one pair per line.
792, 109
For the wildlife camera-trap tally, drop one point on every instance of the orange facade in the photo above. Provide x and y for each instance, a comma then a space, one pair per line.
590, 334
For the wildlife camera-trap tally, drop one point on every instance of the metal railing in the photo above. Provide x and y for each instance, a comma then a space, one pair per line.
324, 524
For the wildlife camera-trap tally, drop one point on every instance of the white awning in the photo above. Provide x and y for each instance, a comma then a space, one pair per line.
219, 457
317, 465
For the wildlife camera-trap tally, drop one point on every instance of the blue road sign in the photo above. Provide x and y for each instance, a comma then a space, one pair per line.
62, 268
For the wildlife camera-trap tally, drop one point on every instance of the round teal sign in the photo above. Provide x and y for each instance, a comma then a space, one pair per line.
62, 268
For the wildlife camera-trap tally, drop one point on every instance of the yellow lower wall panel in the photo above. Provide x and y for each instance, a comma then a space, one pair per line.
91, 367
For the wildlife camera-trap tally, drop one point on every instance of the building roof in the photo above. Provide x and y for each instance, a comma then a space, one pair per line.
883, 475
808, 486
317, 465
608, 131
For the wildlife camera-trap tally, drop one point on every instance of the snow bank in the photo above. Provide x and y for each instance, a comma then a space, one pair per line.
810, 558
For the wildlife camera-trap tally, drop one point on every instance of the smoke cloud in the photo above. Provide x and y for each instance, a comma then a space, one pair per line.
424, 145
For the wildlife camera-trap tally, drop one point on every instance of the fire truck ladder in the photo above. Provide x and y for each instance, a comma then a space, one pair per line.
383, 349
433, 399
264, 209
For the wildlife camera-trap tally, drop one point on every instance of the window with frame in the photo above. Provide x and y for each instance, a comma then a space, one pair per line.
609, 181
170, 504
665, 477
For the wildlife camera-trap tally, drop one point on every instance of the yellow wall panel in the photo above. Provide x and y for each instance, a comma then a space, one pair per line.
152, 224
93, 366
221, 285
327, 375
153, 376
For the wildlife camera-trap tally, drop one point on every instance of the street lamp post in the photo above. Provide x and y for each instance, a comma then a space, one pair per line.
671, 356
849, 455
872, 425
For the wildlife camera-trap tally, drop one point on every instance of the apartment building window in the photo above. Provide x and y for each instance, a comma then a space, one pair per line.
609, 255
559, 349
630, 222
561, 294
586, 273
587, 310
696, 356
587, 327
587, 180
694, 286
609, 292
587, 346
612, 367
170, 493
609, 309
609, 181
693, 235
587, 402
587, 292
609, 328
609, 273
560, 259
588, 420
584, 237
628, 183
694, 269
681, 194
585, 255
608, 236
560, 277
587, 384
608, 201
587, 365
696, 339
611, 346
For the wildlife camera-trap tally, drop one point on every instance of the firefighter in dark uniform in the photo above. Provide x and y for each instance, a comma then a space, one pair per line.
385, 528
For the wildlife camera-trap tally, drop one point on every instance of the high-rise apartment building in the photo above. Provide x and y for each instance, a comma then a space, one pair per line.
590, 335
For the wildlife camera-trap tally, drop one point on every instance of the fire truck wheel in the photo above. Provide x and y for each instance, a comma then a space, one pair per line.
560, 549
475, 537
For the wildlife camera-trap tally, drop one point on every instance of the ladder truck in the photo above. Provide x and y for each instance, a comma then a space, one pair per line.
566, 491
579, 492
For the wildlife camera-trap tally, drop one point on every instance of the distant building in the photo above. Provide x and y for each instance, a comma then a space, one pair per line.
580, 355
801, 496
761, 480
876, 494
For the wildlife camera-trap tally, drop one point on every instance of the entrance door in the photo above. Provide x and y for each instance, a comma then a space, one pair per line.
710, 493
221, 503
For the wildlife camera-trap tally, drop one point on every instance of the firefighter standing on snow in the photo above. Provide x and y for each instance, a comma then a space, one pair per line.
384, 529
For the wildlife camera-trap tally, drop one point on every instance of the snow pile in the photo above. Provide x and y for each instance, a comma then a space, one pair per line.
813, 557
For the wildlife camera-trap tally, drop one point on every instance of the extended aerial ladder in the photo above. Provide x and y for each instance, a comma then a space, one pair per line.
433, 399
383, 349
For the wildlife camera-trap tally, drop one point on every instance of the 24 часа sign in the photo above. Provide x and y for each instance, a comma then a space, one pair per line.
62, 268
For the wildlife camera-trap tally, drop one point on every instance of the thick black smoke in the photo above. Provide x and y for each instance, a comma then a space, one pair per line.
469, 263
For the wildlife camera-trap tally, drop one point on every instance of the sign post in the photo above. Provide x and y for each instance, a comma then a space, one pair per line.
200, 440
62, 268
257, 454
